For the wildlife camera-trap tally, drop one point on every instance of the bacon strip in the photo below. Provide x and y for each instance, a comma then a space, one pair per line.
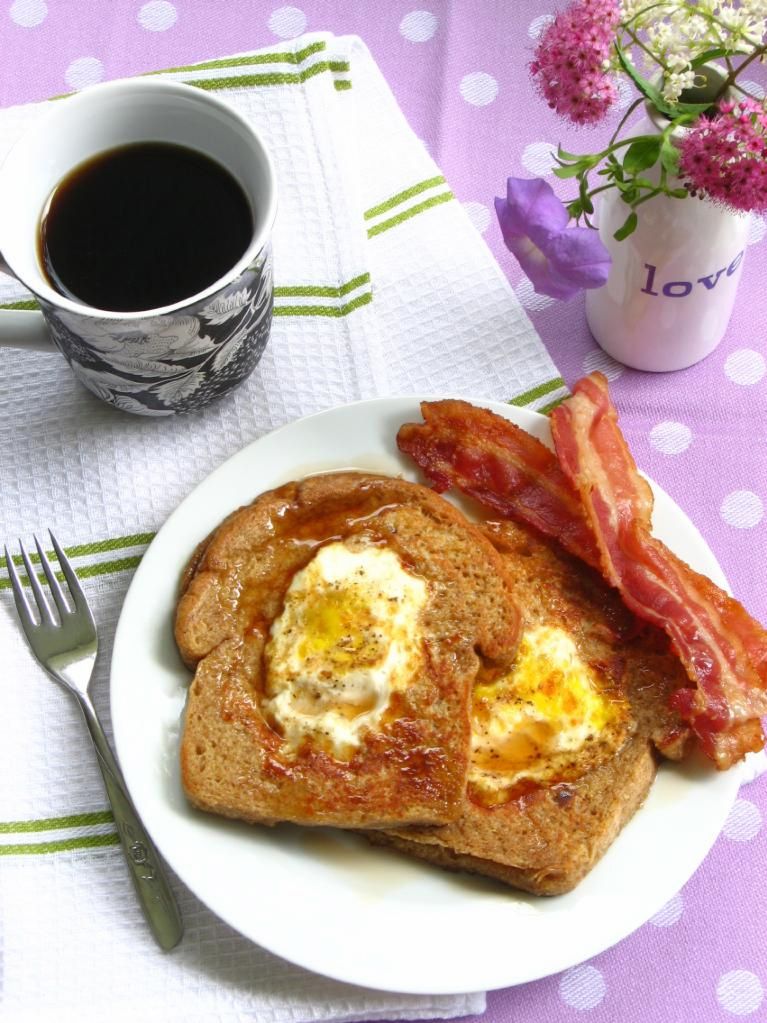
723, 650
502, 467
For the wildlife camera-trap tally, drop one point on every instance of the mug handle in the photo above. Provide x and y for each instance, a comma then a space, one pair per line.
23, 328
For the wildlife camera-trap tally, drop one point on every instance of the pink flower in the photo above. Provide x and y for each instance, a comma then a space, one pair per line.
568, 67
724, 158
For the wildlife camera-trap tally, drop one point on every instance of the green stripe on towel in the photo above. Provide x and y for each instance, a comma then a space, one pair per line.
413, 211
270, 78
546, 409
85, 571
400, 197
75, 820
324, 310
286, 291
537, 392
98, 547
248, 60
321, 291
64, 845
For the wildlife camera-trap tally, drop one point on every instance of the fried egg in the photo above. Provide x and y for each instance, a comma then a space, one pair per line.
548, 720
348, 637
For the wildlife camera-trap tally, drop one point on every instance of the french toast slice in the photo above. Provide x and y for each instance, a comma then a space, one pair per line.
336, 626
555, 812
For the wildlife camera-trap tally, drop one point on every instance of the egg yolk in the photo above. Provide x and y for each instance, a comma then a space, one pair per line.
548, 720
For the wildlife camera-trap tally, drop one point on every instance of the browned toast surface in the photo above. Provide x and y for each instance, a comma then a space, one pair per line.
543, 835
410, 765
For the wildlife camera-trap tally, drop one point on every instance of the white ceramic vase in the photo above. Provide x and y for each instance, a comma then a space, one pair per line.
672, 283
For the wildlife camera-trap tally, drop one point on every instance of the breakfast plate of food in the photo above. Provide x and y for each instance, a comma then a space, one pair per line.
430, 743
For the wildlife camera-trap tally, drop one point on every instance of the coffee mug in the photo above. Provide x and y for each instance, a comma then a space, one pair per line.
154, 362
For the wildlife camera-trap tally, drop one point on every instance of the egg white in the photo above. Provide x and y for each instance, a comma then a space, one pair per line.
348, 637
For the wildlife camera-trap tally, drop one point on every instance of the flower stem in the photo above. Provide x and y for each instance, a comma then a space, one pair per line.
759, 51
637, 102
592, 193
638, 42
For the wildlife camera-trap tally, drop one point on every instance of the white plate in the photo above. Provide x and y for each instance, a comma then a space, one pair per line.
328, 901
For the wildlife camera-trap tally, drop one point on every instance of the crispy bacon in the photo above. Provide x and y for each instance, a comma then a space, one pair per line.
502, 467
723, 650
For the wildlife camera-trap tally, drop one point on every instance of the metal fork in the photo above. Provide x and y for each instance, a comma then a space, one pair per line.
67, 650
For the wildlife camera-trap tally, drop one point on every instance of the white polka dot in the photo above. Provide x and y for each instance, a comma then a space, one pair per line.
745, 366
753, 87
670, 438
670, 913
739, 992
599, 360
538, 157
157, 16
536, 27
84, 71
626, 93
479, 215
28, 13
479, 88
744, 821
583, 987
742, 509
757, 229
418, 26
530, 298
754, 766
287, 22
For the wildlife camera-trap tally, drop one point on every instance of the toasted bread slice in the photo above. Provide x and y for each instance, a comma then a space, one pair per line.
267, 741
543, 834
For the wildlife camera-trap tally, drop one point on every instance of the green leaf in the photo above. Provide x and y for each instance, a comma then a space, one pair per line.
689, 108
629, 225
678, 193
645, 87
574, 209
669, 156
572, 170
562, 154
707, 55
583, 191
654, 94
642, 154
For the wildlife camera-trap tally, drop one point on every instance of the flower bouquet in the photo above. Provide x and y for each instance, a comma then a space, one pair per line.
703, 137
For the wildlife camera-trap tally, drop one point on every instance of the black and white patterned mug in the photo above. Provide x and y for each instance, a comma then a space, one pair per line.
153, 362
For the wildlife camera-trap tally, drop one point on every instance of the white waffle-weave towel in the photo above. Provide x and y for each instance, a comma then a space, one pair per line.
383, 287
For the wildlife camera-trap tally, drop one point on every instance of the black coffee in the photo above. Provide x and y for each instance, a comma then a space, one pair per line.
143, 226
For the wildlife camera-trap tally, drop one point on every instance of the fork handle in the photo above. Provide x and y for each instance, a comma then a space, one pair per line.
149, 878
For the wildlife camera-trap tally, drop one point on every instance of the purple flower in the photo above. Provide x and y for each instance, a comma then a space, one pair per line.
559, 260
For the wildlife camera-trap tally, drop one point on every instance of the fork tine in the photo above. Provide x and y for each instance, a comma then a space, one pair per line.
19, 597
75, 590
42, 604
56, 590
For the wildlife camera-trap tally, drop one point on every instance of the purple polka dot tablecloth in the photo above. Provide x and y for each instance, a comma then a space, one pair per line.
459, 72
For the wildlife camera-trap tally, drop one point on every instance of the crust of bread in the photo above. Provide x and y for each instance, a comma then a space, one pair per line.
545, 843
411, 770
548, 839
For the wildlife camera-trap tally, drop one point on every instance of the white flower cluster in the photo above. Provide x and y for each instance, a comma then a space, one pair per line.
672, 34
